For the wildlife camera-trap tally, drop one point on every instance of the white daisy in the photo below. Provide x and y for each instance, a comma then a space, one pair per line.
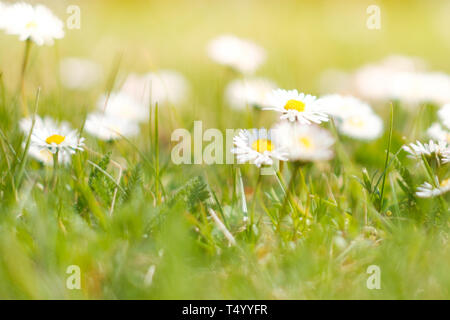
256, 146
53, 137
362, 126
163, 86
248, 92
296, 106
416, 150
437, 132
340, 106
123, 106
239, 54
304, 143
444, 115
76, 73
37, 24
107, 127
426, 190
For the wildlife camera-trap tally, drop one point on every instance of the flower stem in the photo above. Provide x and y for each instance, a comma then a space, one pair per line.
26, 57
255, 197
289, 192
55, 169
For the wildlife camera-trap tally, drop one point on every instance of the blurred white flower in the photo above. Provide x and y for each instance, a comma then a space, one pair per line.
239, 54
51, 136
304, 143
123, 106
248, 92
362, 126
46, 157
37, 24
343, 106
401, 78
2, 14
426, 190
257, 147
163, 86
107, 127
437, 132
78, 73
432, 148
444, 115
296, 106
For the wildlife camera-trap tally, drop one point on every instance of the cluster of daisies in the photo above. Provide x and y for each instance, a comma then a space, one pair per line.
406, 79
436, 153
118, 114
297, 137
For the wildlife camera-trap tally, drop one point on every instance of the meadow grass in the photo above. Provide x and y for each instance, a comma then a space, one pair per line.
152, 234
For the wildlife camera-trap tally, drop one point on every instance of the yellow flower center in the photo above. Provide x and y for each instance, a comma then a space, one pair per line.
56, 138
445, 183
31, 25
357, 122
295, 105
306, 142
262, 145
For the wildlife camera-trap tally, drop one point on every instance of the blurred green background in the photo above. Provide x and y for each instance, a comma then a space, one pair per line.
302, 39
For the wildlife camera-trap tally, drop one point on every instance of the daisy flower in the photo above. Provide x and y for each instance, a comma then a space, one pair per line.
107, 127
239, 54
37, 24
53, 137
361, 126
437, 132
416, 150
304, 143
163, 86
426, 190
123, 106
296, 106
76, 73
257, 146
444, 115
340, 106
248, 92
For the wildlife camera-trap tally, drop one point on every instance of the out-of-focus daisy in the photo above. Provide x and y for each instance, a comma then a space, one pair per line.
437, 132
107, 127
123, 106
163, 86
362, 126
239, 54
249, 92
296, 106
53, 137
257, 147
444, 115
432, 148
37, 24
341, 106
46, 157
79, 73
304, 143
2, 14
426, 190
